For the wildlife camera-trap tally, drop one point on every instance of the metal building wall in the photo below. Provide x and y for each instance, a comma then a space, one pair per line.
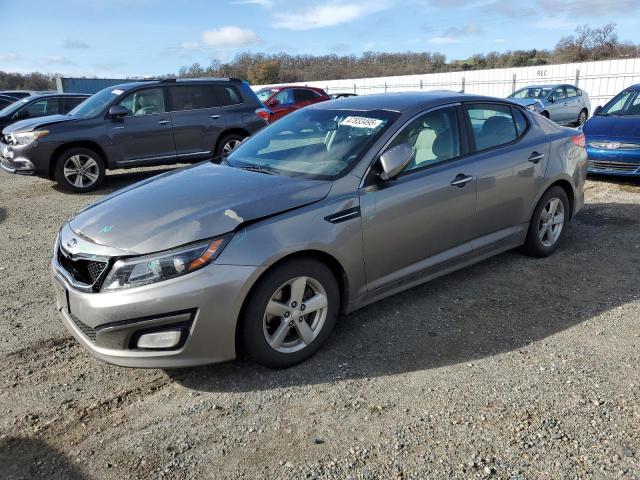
87, 85
601, 80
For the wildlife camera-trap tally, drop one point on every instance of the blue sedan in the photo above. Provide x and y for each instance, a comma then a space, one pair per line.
613, 135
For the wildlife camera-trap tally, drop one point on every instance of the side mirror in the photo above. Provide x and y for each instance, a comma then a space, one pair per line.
273, 102
552, 99
21, 114
597, 110
118, 111
395, 160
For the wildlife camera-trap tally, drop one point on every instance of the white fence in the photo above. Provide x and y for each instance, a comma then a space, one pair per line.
601, 80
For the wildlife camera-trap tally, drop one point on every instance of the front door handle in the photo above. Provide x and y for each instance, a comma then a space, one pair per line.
215, 117
536, 157
164, 122
461, 180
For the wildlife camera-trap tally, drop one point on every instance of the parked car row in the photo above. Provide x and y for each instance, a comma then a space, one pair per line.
131, 125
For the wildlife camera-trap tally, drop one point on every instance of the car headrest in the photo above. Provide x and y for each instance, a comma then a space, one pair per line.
497, 125
444, 145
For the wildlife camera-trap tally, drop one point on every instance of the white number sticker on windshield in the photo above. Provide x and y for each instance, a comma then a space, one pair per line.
361, 122
117, 92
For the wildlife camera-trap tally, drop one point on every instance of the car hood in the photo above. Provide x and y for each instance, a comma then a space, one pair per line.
525, 101
627, 128
31, 124
191, 204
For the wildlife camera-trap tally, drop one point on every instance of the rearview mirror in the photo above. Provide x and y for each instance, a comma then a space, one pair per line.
118, 111
394, 160
597, 110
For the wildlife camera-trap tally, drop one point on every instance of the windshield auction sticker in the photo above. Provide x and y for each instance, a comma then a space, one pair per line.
361, 122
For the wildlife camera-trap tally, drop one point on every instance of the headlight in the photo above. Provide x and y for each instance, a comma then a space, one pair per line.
533, 107
138, 271
23, 138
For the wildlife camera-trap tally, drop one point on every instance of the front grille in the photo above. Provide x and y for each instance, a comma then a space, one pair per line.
88, 331
84, 271
9, 140
613, 166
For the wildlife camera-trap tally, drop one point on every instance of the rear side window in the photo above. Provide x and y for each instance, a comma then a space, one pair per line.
69, 103
494, 125
192, 97
571, 92
304, 94
285, 97
520, 121
227, 95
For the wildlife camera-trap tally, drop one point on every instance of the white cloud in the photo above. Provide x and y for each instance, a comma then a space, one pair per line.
9, 57
443, 40
327, 15
190, 45
56, 60
229, 35
262, 3
75, 44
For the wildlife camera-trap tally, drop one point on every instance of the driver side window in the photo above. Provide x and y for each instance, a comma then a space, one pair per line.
435, 137
144, 102
558, 93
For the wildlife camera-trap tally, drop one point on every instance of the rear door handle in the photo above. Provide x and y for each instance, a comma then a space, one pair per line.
536, 157
164, 122
461, 180
215, 117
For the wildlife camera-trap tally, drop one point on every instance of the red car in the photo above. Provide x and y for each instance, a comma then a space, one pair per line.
285, 99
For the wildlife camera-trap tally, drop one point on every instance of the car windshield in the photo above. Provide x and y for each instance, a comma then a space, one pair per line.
265, 93
531, 92
316, 144
95, 104
12, 108
625, 103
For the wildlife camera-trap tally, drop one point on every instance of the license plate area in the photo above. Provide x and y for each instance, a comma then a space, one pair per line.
62, 297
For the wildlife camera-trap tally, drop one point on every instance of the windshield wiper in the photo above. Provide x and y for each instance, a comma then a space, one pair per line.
253, 168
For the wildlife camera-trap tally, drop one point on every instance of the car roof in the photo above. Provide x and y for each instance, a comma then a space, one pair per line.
404, 101
45, 95
549, 85
173, 81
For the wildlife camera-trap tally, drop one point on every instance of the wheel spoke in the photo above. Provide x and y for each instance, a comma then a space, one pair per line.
78, 182
76, 161
69, 172
298, 286
542, 232
277, 309
558, 219
92, 177
90, 163
553, 207
317, 302
304, 331
279, 335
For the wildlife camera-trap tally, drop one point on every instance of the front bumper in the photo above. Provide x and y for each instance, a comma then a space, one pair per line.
204, 305
613, 162
33, 158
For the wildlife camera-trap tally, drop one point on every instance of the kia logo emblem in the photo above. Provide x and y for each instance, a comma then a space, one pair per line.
72, 242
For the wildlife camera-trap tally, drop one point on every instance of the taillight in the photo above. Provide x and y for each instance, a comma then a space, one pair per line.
579, 140
263, 113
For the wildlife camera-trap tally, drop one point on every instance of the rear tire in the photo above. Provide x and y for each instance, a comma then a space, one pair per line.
227, 143
548, 223
275, 330
582, 117
79, 170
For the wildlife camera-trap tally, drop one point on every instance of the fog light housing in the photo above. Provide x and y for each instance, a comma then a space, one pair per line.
165, 339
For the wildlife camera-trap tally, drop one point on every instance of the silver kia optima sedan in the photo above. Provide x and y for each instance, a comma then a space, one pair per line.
337, 205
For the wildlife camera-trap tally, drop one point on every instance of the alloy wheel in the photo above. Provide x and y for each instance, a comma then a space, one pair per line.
551, 222
81, 171
295, 314
230, 145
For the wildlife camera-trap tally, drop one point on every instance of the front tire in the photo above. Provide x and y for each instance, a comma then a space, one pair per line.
79, 170
547, 226
290, 313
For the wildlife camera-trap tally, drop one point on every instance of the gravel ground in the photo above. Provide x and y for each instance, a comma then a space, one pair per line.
514, 368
